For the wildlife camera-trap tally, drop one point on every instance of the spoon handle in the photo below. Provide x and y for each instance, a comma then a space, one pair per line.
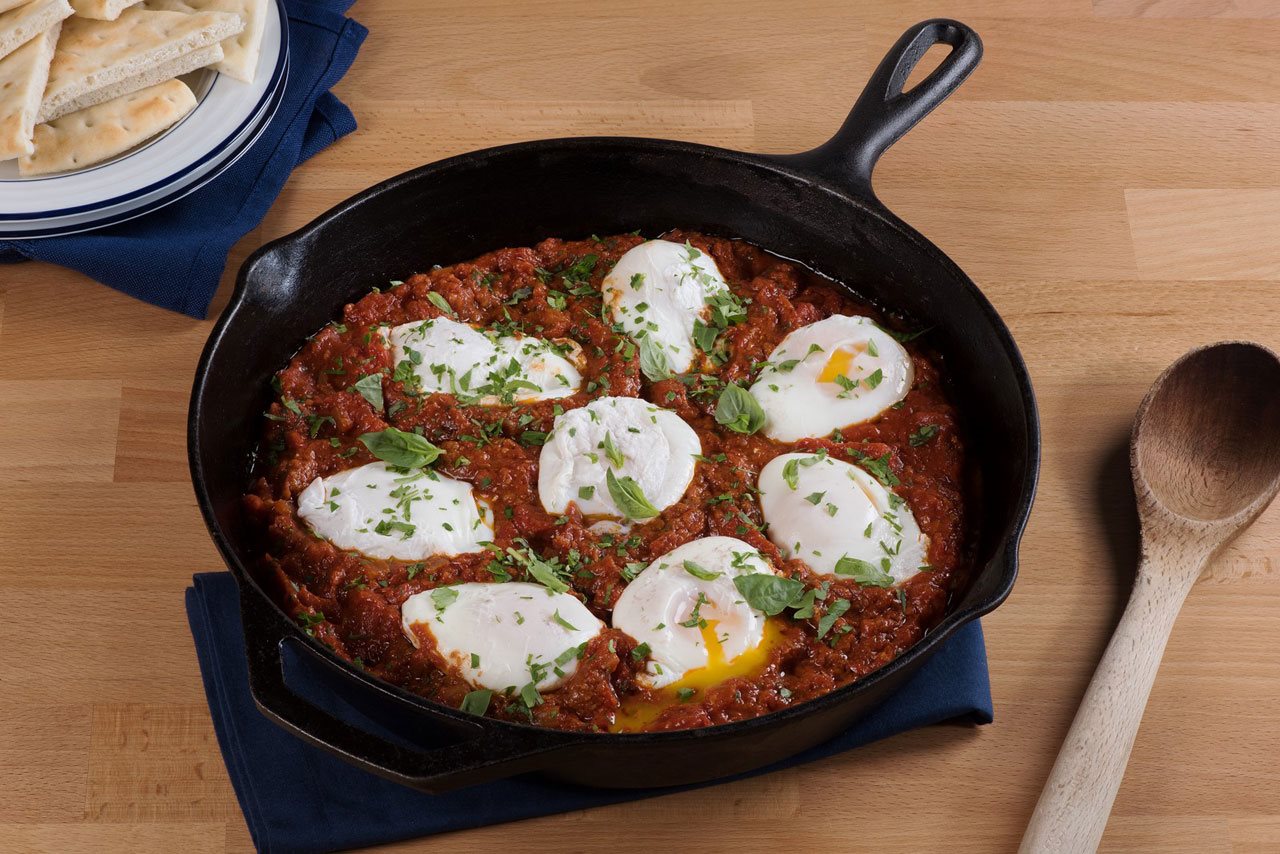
1076, 801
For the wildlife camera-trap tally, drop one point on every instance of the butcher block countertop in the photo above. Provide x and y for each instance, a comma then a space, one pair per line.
1110, 177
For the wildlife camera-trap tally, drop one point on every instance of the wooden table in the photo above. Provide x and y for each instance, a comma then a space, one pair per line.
1110, 177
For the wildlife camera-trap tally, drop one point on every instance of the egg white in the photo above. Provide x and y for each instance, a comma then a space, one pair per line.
831, 374
665, 593
483, 367
656, 445
503, 636
838, 510
657, 290
388, 512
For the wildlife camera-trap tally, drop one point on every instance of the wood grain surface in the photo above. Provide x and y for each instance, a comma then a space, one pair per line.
1110, 177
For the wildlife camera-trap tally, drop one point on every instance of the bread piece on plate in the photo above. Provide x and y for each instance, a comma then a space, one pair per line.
6, 5
241, 50
19, 26
176, 67
99, 133
102, 10
22, 77
93, 55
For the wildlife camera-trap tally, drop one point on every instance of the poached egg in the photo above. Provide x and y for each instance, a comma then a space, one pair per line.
479, 366
830, 374
388, 512
658, 291
503, 636
626, 436
685, 610
840, 520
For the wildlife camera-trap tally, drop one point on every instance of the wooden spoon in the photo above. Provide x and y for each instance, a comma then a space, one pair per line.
1205, 455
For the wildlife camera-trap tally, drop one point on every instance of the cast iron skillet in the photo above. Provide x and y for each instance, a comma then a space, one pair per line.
817, 207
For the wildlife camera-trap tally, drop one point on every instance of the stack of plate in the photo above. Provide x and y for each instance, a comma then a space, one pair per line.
228, 119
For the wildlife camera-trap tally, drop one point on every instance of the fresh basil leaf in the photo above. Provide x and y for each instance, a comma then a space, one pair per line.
370, 388
704, 336
543, 572
768, 592
642, 649
653, 362
611, 450
804, 605
441, 303
407, 450
476, 702
698, 572
838, 607
626, 493
738, 410
866, 574
791, 473
443, 597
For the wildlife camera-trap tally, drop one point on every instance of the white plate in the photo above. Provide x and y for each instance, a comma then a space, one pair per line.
208, 140
158, 198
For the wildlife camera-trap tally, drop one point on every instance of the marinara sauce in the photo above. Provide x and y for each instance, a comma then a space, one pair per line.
352, 602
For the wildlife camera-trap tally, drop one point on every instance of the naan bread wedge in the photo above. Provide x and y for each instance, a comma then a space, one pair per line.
99, 133
93, 55
19, 26
241, 51
164, 71
102, 10
22, 77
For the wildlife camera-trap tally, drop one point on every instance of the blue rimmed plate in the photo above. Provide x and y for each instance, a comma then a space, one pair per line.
228, 118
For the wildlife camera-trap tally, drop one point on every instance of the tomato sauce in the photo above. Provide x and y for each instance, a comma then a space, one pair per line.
352, 602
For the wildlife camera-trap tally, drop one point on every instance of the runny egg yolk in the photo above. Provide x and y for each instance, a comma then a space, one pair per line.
840, 363
640, 711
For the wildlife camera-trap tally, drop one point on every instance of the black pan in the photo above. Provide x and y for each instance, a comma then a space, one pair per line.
817, 207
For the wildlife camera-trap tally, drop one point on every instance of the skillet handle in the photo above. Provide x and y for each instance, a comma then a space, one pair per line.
883, 112
489, 754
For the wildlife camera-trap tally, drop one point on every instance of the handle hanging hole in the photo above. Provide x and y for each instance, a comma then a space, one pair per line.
932, 58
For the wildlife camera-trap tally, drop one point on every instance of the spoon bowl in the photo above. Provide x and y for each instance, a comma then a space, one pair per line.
1206, 441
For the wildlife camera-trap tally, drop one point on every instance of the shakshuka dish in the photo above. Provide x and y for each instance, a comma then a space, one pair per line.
615, 484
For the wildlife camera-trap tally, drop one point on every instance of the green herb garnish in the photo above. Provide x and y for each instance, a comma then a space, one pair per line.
626, 493
738, 410
407, 450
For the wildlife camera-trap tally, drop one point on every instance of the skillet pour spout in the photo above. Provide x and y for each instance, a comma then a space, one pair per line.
816, 207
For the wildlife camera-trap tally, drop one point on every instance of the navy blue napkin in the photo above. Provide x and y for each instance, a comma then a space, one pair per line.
174, 257
297, 798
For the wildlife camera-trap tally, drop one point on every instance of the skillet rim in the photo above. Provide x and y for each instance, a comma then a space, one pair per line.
790, 167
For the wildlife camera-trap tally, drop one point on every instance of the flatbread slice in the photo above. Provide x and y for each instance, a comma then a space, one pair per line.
176, 67
94, 54
101, 132
241, 50
6, 5
22, 77
102, 10
19, 26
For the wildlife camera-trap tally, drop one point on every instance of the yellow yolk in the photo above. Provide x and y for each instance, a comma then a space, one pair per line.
638, 712
840, 363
